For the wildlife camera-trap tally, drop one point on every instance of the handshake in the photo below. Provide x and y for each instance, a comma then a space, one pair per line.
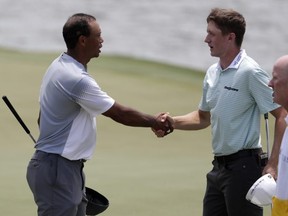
163, 125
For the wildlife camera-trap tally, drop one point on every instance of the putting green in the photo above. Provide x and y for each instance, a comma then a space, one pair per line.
139, 173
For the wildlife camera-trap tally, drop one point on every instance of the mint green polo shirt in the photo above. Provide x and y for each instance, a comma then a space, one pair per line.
236, 99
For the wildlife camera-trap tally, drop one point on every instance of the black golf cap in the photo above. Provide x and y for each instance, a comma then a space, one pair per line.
97, 203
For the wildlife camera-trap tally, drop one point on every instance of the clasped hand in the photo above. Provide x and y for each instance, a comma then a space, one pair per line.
164, 125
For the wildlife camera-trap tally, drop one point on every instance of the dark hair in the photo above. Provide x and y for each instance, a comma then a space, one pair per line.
76, 25
228, 21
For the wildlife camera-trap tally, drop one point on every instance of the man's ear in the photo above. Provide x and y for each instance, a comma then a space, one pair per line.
231, 36
82, 40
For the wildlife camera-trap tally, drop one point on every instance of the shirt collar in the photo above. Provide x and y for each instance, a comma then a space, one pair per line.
65, 56
236, 62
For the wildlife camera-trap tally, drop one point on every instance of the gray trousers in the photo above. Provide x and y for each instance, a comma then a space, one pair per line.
57, 185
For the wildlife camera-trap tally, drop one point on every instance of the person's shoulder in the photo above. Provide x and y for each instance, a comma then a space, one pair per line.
66, 73
250, 62
250, 65
212, 68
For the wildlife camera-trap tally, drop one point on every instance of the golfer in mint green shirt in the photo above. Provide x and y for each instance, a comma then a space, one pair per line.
235, 97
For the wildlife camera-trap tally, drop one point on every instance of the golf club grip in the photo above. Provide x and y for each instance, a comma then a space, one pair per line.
5, 99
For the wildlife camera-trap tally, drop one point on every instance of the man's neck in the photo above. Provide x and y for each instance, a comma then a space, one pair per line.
78, 57
228, 58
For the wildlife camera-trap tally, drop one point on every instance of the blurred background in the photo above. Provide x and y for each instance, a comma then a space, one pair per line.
139, 174
163, 30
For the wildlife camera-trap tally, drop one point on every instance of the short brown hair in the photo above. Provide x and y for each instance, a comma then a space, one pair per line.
228, 21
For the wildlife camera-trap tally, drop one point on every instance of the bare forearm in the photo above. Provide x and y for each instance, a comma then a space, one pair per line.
130, 117
195, 120
279, 128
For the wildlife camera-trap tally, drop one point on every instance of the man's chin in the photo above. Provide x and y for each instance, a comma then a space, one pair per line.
275, 100
96, 55
213, 54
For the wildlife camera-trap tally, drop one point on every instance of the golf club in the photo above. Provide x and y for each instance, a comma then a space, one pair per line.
266, 155
267, 134
267, 140
97, 202
6, 100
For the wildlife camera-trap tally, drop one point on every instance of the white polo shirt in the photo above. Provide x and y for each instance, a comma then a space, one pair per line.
69, 101
236, 97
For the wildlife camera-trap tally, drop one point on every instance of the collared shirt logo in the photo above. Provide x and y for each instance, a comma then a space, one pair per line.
230, 88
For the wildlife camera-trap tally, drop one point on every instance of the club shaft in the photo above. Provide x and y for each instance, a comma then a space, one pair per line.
267, 134
14, 112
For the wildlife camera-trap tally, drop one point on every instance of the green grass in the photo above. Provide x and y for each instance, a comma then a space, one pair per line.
139, 173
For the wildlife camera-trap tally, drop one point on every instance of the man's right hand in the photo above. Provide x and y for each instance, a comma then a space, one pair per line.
167, 125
